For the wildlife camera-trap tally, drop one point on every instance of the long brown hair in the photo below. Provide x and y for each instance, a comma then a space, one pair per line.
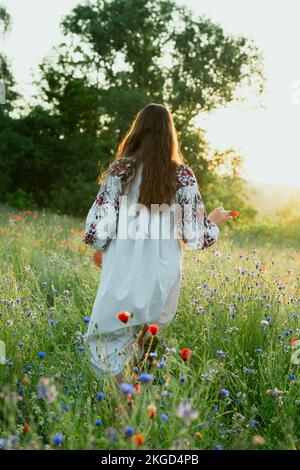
152, 139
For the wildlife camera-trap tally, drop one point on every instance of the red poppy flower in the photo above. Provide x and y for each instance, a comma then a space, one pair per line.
139, 439
137, 388
124, 316
26, 427
294, 342
234, 214
153, 329
186, 354
16, 218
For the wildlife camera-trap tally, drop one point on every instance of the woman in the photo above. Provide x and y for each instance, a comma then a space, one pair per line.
148, 201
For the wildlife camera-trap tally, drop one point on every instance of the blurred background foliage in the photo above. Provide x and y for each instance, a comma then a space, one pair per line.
118, 56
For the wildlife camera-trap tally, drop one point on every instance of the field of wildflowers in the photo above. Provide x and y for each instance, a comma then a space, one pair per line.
223, 377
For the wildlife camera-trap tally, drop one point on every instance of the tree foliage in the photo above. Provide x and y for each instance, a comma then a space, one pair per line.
118, 56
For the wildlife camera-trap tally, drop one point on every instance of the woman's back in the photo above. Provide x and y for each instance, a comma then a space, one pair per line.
140, 267
137, 221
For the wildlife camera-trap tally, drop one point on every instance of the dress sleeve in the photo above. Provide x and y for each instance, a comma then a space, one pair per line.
196, 231
102, 219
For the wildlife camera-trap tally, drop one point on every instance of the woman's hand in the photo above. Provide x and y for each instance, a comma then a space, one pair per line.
218, 216
97, 259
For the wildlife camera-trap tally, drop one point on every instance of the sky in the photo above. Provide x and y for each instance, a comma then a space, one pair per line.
268, 136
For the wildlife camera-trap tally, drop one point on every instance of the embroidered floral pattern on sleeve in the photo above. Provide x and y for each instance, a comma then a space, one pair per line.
102, 219
122, 168
185, 177
196, 230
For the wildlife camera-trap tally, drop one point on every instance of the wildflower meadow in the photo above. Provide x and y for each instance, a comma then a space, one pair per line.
225, 374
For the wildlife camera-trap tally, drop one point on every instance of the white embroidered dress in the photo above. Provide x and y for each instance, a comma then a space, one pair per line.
141, 274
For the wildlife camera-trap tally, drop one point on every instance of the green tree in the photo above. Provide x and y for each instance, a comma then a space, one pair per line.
136, 51
7, 134
119, 55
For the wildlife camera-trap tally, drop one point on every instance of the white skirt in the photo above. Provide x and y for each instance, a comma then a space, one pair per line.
141, 276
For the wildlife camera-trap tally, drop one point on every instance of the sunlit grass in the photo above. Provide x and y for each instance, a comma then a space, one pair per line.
238, 311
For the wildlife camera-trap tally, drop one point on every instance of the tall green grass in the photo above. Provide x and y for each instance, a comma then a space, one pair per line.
240, 380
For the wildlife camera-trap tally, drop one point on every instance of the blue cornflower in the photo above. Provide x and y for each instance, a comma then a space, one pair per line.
58, 439
153, 354
258, 350
129, 431
135, 370
224, 393
221, 353
80, 348
161, 364
145, 378
252, 423
164, 418
42, 354
86, 319
21, 344
127, 388
182, 379
292, 377
100, 396
98, 422
218, 447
